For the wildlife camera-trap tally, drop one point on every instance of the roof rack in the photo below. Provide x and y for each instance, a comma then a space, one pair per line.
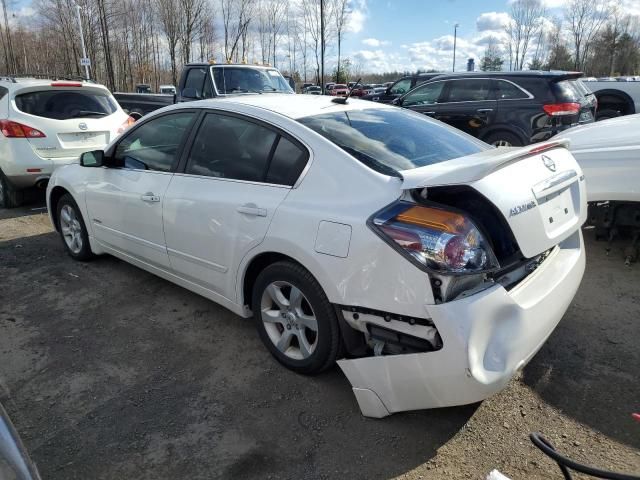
44, 76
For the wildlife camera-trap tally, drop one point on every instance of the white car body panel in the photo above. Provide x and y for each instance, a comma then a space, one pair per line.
321, 222
609, 154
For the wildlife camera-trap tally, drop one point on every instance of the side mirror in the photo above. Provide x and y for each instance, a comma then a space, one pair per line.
190, 93
92, 159
397, 101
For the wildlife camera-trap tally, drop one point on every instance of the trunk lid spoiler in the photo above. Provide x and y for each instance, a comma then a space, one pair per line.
471, 168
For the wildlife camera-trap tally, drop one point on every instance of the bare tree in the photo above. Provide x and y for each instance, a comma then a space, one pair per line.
585, 18
236, 17
342, 12
170, 23
191, 15
525, 24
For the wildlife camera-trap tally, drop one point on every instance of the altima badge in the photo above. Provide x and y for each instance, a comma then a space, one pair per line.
550, 164
82, 126
518, 209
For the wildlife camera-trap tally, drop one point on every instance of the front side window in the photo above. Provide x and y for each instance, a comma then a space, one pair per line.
471, 90
66, 104
155, 144
392, 139
424, 95
401, 87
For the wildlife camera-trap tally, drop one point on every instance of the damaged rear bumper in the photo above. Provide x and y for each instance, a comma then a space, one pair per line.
486, 339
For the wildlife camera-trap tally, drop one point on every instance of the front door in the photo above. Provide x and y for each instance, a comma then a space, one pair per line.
126, 199
425, 99
237, 173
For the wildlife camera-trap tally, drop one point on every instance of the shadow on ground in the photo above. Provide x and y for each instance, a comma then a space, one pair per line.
589, 366
114, 373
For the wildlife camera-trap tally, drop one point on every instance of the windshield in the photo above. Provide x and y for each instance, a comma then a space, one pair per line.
66, 104
390, 140
245, 80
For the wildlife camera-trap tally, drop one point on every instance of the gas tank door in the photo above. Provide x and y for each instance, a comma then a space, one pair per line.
333, 239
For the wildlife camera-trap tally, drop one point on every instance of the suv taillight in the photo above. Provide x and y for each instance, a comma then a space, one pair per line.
560, 109
19, 130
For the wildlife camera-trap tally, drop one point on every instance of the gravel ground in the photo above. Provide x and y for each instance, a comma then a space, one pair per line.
109, 372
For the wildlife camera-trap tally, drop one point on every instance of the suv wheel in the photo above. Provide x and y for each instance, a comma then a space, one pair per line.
295, 320
503, 139
9, 196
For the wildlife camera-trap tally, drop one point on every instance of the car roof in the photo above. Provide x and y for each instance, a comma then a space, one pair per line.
235, 65
292, 106
19, 83
522, 73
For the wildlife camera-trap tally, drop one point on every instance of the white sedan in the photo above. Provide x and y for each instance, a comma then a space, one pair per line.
429, 265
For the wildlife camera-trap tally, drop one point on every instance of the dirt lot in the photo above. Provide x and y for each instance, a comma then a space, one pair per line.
109, 373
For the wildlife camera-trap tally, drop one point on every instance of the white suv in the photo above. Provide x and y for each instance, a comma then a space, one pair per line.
47, 123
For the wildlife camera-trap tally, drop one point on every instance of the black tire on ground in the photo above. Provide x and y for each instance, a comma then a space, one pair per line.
9, 196
84, 252
607, 113
504, 139
328, 342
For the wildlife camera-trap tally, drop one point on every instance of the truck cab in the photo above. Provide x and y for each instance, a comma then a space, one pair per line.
202, 80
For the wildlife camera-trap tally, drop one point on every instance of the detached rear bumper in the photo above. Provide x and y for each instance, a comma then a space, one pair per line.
486, 338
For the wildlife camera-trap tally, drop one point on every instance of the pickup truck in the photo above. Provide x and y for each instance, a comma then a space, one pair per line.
615, 98
199, 81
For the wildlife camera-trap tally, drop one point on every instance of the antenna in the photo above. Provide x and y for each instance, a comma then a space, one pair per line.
343, 100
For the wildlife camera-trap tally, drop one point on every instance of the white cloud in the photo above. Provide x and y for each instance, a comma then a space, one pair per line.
358, 16
492, 21
374, 42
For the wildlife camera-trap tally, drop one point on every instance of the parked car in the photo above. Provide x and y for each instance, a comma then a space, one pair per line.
313, 90
417, 270
46, 123
505, 108
305, 85
615, 99
143, 88
167, 89
200, 81
400, 87
15, 463
608, 153
339, 90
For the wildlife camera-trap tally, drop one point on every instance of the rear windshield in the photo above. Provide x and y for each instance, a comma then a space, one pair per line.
568, 91
66, 104
390, 140
245, 80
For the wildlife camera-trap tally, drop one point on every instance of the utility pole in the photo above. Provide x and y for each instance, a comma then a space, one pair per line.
11, 62
455, 38
84, 50
322, 45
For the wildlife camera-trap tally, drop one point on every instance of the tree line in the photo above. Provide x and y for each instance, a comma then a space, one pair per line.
593, 36
146, 41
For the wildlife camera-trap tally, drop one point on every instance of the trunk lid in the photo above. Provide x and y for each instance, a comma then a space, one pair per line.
538, 189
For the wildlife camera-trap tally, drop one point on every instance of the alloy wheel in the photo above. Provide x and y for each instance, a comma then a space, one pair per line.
71, 229
289, 320
501, 143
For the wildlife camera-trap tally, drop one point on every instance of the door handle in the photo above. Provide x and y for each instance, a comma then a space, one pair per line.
150, 197
251, 209
429, 113
484, 110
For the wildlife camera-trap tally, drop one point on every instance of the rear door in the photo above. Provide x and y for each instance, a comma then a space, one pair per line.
74, 117
237, 172
125, 201
469, 104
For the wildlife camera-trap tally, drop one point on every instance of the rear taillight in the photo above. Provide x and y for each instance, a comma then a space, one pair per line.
130, 121
560, 109
19, 130
436, 239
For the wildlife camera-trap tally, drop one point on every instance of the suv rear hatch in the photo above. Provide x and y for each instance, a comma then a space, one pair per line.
575, 104
538, 190
71, 117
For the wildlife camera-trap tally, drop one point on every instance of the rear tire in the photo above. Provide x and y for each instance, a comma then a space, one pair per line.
607, 113
503, 139
9, 196
295, 320
73, 230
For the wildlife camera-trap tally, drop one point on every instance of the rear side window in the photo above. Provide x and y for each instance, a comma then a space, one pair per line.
565, 91
508, 91
231, 147
66, 104
287, 163
471, 90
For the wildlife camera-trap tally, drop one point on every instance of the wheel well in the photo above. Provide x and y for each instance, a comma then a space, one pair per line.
54, 198
615, 100
494, 131
257, 265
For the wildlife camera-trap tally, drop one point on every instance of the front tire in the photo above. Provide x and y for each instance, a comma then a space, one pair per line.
72, 228
295, 320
